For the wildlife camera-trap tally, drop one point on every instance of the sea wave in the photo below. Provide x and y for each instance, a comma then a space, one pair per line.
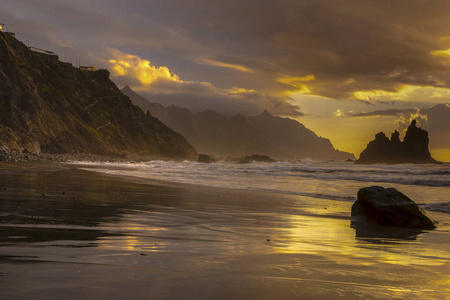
400, 171
378, 177
334, 181
439, 207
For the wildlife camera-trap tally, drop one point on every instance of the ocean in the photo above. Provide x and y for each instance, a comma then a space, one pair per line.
428, 184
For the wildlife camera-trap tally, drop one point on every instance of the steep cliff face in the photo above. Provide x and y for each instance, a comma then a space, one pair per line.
212, 133
52, 107
413, 149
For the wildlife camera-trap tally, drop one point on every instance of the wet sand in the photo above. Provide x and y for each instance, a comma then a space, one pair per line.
67, 233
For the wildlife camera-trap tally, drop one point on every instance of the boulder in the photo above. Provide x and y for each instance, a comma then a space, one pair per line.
390, 207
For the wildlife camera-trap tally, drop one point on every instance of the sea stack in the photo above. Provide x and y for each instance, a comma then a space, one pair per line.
413, 149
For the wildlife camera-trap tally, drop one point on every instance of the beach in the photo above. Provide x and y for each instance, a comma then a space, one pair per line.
70, 233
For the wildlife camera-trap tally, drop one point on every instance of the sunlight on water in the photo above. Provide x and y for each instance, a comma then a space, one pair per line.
304, 234
314, 235
315, 223
294, 234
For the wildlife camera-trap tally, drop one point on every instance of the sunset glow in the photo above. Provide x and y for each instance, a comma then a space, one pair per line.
298, 83
134, 67
350, 62
198, 150
445, 53
226, 65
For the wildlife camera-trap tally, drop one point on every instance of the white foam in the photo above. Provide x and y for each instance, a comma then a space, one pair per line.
326, 180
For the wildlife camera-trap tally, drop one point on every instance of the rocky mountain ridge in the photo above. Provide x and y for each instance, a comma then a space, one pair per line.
50, 107
212, 133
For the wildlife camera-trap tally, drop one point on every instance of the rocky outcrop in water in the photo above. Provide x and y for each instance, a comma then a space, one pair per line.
259, 158
390, 207
252, 158
50, 107
413, 149
205, 158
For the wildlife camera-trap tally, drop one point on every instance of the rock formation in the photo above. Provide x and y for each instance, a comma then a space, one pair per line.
48, 106
252, 158
240, 136
259, 158
413, 149
204, 158
390, 207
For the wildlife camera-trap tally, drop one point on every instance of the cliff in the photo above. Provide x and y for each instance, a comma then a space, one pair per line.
413, 149
212, 133
47, 106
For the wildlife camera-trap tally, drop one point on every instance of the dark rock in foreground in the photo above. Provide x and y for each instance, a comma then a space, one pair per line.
413, 149
390, 207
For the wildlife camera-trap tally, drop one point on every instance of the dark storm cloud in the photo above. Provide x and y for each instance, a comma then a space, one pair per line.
438, 124
434, 119
378, 44
347, 46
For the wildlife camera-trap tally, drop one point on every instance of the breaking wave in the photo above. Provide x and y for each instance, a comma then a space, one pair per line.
325, 180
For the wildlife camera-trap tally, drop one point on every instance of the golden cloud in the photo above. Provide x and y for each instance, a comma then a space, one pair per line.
441, 53
226, 65
298, 83
405, 93
137, 68
239, 91
339, 113
400, 94
436, 95
161, 83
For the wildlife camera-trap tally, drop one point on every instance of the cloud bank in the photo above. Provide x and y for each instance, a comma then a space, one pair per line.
371, 51
159, 84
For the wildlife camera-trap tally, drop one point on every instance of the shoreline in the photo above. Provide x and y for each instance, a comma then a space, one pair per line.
26, 157
300, 204
77, 234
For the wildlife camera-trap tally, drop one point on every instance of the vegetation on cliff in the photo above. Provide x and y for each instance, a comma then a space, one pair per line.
51, 107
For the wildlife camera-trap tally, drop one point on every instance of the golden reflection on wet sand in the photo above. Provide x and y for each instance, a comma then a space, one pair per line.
108, 237
307, 234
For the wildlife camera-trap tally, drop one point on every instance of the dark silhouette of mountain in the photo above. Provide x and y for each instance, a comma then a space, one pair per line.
48, 106
413, 149
212, 133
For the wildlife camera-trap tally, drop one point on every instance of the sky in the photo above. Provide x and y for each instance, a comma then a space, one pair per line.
345, 69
